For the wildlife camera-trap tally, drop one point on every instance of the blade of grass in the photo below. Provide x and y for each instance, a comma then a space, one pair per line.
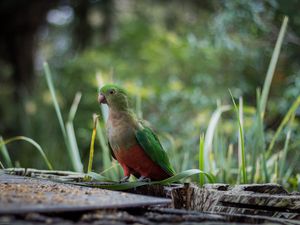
75, 156
106, 158
285, 120
173, 149
272, 65
242, 146
110, 168
129, 185
222, 158
240, 137
92, 148
1, 165
209, 135
5, 154
74, 106
283, 158
58, 111
292, 166
229, 161
264, 166
185, 174
214, 156
276, 174
257, 171
201, 159
98, 177
185, 161
55, 102
35, 144
260, 137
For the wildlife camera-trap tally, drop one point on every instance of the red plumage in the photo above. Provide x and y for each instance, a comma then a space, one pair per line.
135, 161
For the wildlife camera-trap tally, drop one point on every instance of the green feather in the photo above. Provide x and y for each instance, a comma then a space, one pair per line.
150, 143
106, 88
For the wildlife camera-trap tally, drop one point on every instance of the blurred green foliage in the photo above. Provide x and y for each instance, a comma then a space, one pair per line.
180, 59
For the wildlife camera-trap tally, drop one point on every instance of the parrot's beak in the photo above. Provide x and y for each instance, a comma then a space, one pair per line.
102, 99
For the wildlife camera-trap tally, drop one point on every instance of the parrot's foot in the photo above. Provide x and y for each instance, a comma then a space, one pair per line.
144, 179
124, 179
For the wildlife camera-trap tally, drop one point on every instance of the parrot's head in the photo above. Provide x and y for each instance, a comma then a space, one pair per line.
114, 96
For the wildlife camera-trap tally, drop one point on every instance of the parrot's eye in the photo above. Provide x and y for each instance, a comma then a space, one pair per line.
112, 91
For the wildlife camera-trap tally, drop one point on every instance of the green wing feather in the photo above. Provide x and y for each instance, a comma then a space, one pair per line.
150, 143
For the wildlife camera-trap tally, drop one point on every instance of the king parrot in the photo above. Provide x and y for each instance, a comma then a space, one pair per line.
133, 144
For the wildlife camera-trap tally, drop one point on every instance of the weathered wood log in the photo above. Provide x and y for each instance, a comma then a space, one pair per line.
233, 218
213, 203
267, 200
154, 190
46, 174
148, 216
19, 195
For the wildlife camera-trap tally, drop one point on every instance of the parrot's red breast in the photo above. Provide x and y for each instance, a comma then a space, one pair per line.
135, 161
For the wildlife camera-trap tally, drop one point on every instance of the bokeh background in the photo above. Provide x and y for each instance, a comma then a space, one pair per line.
178, 58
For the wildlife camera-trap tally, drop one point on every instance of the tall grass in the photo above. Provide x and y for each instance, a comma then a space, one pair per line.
201, 159
241, 148
209, 135
272, 65
290, 114
259, 137
71, 134
35, 144
68, 134
92, 150
229, 164
255, 159
1, 165
5, 154
284, 152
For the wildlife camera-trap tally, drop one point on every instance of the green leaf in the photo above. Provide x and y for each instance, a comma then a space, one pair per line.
5, 154
282, 161
285, 120
241, 138
260, 137
68, 134
124, 186
35, 144
92, 145
75, 156
97, 177
185, 174
55, 102
201, 159
74, 150
210, 132
272, 66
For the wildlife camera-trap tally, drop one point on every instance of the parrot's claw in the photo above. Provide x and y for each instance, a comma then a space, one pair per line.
124, 179
144, 179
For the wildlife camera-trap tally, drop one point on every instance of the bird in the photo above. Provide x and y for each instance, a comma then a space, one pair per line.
131, 142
